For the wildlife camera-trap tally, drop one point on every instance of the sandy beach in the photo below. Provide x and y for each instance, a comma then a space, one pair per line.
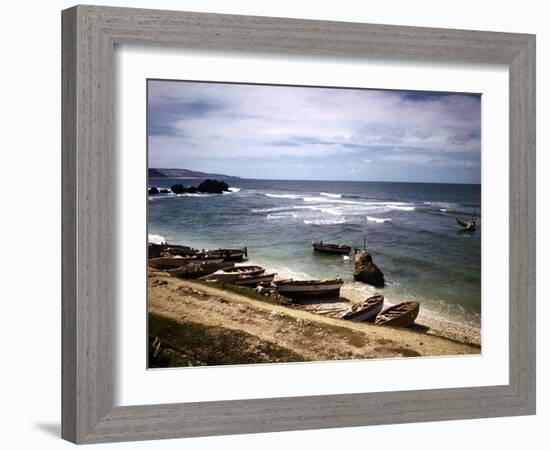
199, 323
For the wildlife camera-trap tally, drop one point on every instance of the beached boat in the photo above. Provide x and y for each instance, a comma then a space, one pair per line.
167, 262
228, 254
197, 270
232, 273
181, 250
339, 249
254, 280
310, 288
366, 311
400, 315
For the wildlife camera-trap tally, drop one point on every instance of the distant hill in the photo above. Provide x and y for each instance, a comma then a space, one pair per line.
185, 173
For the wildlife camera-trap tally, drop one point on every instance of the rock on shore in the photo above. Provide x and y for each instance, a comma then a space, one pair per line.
366, 271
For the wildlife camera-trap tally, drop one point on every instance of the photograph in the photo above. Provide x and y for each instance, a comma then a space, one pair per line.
291, 224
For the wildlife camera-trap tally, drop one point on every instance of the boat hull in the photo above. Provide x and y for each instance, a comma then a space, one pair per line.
367, 314
309, 291
336, 250
254, 281
403, 320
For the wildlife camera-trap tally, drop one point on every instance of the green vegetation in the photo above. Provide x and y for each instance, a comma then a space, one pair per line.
174, 344
244, 291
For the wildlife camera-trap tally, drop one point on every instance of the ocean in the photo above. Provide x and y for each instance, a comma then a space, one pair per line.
410, 231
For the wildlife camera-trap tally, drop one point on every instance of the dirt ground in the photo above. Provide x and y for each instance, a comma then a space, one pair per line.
280, 328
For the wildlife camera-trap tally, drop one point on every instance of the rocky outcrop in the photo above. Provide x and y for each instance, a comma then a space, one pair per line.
213, 187
366, 271
206, 187
155, 190
181, 189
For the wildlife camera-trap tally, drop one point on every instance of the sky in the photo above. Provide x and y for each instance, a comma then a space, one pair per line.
311, 133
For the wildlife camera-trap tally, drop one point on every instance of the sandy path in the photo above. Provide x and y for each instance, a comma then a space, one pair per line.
313, 336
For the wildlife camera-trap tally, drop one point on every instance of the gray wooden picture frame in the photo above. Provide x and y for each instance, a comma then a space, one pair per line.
90, 34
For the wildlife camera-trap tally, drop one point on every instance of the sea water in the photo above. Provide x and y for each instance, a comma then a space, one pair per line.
409, 228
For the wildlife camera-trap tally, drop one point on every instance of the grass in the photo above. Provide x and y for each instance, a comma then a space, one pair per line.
176, 344
244, 291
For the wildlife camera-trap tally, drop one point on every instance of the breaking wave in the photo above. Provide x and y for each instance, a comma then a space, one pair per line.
324, 221
290, 196
156, 239
328, 194
377, 219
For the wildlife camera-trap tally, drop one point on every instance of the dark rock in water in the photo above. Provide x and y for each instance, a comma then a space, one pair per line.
153, 191
206, 187
178, 189
213, 187
164, 191
366, 271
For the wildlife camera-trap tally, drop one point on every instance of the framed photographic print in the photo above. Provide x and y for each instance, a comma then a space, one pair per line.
267, 222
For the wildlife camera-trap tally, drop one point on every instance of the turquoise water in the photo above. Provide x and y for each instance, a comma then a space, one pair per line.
410, 231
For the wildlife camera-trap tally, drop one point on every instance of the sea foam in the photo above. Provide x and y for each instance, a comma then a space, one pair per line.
377, 219
156, 239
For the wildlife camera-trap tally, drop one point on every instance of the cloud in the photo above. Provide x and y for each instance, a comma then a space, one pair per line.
191, 121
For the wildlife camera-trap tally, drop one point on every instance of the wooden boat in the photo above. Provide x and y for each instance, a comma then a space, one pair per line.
167, 262
254, 280
181, 251
232, 273
310, 288
197, 270
228, 254
467, 226
400, 315
366, 311
339, 249
171, 262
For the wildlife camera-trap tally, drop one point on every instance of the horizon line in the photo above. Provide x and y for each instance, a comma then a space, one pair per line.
295, 179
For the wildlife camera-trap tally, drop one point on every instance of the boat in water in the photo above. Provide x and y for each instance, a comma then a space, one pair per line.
338, 249
366, 311
471, 226
254, 280
468, 226
310, 288
400, 315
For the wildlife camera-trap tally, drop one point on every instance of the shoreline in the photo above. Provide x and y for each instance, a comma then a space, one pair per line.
428, 321
267, 329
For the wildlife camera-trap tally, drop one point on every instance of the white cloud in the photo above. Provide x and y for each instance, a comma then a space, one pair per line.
250, 121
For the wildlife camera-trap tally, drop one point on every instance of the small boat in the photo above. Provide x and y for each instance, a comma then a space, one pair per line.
254, 280
339, 249
167, 262
232, 273
228, 254
366, 311
197, 270
310, 288
467, 226
400, 315
180, 250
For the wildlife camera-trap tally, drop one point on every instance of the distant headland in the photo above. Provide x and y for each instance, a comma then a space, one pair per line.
187, 174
